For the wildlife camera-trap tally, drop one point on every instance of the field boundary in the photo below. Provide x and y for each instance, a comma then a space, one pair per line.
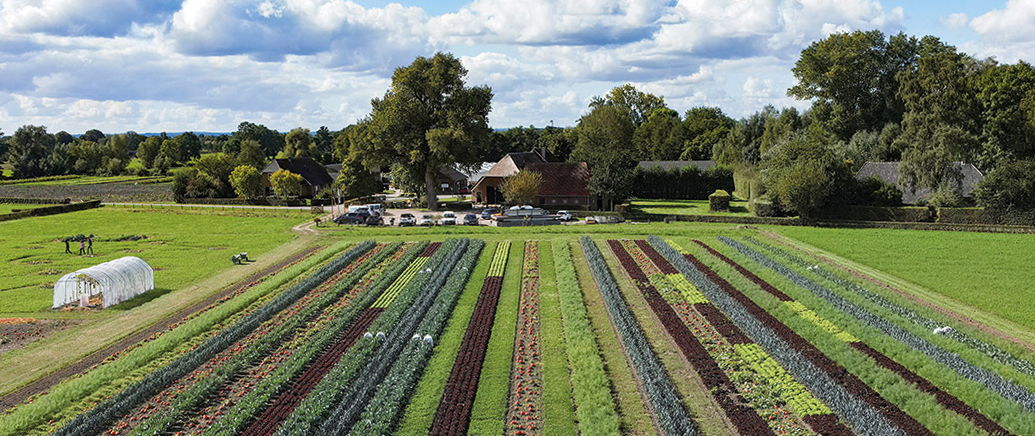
916, 293
47, 381
51, 210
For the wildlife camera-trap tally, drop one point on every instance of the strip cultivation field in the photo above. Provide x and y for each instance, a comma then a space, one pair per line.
691, 335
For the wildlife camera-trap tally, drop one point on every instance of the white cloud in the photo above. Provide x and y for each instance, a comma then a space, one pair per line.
75, 17
955, 21
1006, 33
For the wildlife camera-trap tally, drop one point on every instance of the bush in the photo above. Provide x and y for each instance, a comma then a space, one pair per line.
719, 201
764, 208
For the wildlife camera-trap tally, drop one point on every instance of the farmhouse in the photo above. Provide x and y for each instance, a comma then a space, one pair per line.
565, 184
314, 175
889, 173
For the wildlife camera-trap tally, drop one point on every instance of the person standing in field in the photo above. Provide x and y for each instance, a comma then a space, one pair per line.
67, 249
89, 247
82, 247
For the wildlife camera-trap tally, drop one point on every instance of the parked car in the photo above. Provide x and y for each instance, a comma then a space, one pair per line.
375, 220
470, 219
564, 215
449, 219
374, 208
407, 220
487, 213
349, 218
426, 220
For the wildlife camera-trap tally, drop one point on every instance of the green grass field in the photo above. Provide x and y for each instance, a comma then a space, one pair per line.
988, 271
183, 247
687, 207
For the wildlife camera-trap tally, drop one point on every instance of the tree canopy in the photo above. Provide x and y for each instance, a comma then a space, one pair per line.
427, 119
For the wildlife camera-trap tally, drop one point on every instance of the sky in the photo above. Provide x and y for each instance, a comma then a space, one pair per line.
207, 65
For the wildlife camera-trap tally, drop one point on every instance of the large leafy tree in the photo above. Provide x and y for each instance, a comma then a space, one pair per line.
28, 151
942, 124
246, 181
189, 145
148, 150
658, 138
428, 118
855, 73
1007, 97
702, 129
804, 170
640, 105
270, 141
606, 144
285, 183
299, 143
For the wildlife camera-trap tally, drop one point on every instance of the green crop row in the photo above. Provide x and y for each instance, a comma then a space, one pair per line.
427, 395
499, 260
330, 392
266, 343
98, 418
594, 405
400, 283
799, 398
53, 405
383, 411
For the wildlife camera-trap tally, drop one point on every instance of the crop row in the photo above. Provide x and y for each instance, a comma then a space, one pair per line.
997, 354
417, 304
210, 378
524, 415
591, 388
725, 393
763, 382
107, 412
946, 399
673, 417
307, 417
993, 381
276, 396
454, 411
862, 407
383, 412
259, 375
396, 287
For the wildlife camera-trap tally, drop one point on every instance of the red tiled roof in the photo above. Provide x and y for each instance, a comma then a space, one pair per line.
562, 179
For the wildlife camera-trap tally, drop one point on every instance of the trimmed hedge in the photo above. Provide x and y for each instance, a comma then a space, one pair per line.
719, 201
51, 210
690, 183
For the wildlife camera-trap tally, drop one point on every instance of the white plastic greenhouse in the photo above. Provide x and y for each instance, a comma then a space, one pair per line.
117, 280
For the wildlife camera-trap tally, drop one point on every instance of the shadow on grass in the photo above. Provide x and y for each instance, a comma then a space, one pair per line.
139, 300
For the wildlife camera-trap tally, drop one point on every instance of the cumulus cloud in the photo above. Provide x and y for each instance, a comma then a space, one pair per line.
1006, 33
543, 22
955, 21
357, 38
81, 18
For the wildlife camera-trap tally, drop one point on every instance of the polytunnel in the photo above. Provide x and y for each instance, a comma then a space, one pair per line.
116, 280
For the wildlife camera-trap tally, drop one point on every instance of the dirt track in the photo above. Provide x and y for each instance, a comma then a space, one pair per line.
46, 382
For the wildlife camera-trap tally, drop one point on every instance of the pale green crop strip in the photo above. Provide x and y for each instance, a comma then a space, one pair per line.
796, 396
400, 283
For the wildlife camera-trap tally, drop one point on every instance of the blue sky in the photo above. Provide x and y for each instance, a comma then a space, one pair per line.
207, 65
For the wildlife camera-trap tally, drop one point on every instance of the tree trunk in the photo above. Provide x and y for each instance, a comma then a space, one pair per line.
430, 187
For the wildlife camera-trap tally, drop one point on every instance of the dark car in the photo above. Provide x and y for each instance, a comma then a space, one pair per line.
349, 218
375, 220
487, 213
470, 219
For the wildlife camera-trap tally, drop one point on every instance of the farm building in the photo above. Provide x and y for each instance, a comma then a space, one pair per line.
314, 175
565, 184
889, 173
116, 281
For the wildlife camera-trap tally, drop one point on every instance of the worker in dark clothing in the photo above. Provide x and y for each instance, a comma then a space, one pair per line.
89, 246
67, 248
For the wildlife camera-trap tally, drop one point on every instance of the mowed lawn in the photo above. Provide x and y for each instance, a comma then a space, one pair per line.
182, 246
990, 271
687, 207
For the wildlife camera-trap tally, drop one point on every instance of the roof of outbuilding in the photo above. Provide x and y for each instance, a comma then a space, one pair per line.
512, 163
562, 179
889, 173
312, 172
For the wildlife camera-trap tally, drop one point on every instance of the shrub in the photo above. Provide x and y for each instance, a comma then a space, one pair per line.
719, 201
